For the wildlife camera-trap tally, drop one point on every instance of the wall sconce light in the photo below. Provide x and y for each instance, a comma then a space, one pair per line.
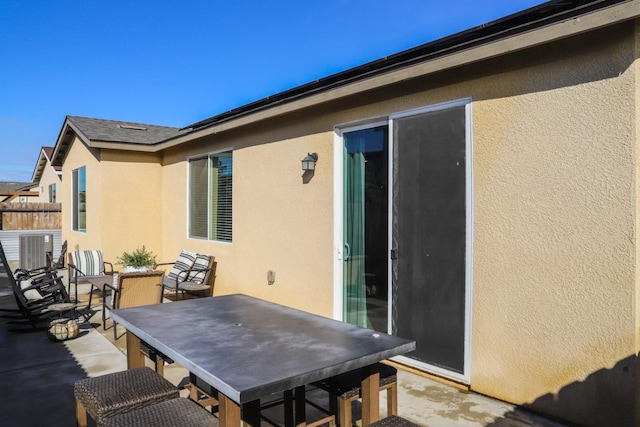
309, 162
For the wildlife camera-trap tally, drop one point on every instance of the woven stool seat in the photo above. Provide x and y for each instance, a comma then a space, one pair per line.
393, 421
348, 385
170, 413
346, 388
120, 392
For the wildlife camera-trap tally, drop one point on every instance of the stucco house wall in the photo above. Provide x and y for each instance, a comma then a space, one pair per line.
554, 201
554, 169
123, 201
80, 155
48, 177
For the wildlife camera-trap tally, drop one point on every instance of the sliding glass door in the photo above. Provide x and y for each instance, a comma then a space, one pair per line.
365, 270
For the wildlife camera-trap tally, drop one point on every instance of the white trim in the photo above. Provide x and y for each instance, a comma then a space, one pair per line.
338, 203
338, 221
469, 242
338, 143
428, 108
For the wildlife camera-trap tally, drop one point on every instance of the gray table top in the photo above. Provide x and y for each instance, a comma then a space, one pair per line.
248, 348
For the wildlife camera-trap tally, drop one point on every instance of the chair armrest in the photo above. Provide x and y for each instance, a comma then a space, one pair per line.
163, 263
186, 275
76, 270
197, 269
110, 267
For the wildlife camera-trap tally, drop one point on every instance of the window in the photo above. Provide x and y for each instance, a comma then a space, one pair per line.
79, 199
210, 197
52, 193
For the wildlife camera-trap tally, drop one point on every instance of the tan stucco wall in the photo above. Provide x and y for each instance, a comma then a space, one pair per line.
48, 177
79, 155
554, 169
280, 223
123, 201
554, 319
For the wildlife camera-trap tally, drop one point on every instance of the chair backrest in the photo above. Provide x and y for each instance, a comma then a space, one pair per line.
63, 253
183, 263
87, 263
203, 262
139, 288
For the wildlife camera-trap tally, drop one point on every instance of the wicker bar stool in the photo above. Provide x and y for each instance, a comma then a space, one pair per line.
120, 392
394, 421
170, 413
346, 388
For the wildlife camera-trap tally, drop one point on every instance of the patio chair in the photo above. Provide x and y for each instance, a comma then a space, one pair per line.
34, 295
59, 263
132, 290
88, 267
191, 272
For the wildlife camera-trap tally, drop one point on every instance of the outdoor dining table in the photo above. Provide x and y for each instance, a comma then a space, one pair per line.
248, 348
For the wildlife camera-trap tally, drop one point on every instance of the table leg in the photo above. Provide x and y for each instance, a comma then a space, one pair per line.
228, 413
300, 402
251, 413
288, 408
371, 398
135, 358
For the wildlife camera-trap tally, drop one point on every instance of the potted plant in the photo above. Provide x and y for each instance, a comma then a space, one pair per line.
140, 259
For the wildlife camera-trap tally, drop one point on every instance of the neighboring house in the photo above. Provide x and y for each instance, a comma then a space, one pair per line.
478, 193
46, 178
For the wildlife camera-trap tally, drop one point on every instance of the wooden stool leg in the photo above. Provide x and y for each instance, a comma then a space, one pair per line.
81, 415
345, 412
392, 400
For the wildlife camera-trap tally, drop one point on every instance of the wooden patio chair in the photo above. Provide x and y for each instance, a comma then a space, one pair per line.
131, 290
191, 272
34, 295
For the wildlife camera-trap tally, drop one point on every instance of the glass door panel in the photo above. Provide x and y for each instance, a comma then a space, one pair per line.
365, 269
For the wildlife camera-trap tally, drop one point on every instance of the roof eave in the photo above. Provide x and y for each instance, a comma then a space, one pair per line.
543, 33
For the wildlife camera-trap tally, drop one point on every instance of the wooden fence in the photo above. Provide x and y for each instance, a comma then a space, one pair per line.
30, 216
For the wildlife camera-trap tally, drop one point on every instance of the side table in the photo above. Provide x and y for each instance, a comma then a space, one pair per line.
192, 287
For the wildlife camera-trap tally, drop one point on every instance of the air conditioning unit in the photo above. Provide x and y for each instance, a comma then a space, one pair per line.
34, 249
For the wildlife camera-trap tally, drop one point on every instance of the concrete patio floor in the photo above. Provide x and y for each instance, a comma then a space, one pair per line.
423, 400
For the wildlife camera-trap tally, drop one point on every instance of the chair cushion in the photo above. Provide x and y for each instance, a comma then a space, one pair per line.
202, 261
170, 413
90, 263
108, 395
394, 421
184, 262
31, 294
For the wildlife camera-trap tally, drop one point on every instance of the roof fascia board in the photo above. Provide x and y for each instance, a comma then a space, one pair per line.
40, 165
130, 146
556, 31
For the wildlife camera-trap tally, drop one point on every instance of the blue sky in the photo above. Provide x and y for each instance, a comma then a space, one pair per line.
174, 63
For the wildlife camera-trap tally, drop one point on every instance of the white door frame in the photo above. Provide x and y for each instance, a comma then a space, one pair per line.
338, 147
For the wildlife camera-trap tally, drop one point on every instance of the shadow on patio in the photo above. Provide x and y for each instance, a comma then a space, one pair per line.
37, 377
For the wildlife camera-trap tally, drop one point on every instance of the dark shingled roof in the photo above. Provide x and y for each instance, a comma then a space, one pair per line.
117, 131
